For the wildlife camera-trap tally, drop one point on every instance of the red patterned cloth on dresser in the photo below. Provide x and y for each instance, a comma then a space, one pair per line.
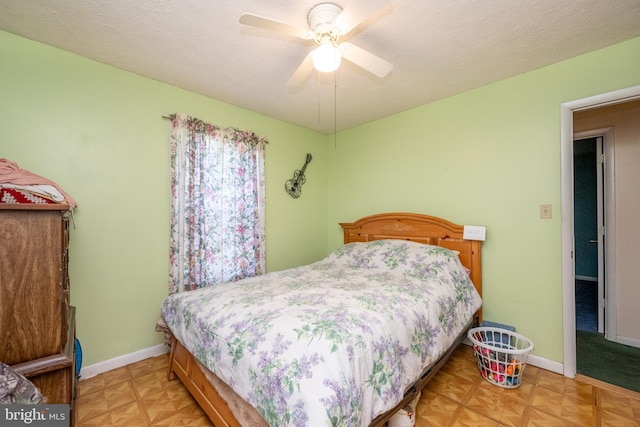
17, 196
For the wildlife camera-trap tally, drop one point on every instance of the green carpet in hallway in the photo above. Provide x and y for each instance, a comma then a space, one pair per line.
607, 361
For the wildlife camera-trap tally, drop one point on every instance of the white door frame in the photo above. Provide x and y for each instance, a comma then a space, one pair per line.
566, 180
605, 194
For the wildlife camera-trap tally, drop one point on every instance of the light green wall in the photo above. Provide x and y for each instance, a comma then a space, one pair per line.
97, 131
489, 156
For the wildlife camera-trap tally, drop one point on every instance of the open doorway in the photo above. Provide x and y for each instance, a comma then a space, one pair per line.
568, 250
611, 353
588, 224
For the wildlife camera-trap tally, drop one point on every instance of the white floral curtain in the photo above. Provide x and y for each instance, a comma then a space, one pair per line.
217, 204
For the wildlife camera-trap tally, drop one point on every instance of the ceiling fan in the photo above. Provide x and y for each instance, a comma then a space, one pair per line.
327, 23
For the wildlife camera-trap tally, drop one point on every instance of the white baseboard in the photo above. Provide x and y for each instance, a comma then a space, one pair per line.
628, 341
124, 360
549, 365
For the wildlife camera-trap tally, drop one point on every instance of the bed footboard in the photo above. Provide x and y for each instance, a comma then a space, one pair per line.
183, 365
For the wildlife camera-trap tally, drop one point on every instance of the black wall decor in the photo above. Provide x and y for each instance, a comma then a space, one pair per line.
294, 185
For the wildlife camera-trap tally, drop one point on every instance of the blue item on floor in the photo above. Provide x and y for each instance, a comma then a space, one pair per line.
490, 324
78, 358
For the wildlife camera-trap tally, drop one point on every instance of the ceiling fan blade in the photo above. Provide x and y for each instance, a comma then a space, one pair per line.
365, 59
270, 24
303, 71
355, 13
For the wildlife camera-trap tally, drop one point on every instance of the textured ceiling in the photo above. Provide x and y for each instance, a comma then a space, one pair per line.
438, 48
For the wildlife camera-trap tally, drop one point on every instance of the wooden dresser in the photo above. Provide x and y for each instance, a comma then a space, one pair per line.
37, 323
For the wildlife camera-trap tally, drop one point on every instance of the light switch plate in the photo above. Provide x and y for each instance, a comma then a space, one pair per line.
474, 232
545, 211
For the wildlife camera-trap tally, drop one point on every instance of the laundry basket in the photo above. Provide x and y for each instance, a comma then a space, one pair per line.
501, 354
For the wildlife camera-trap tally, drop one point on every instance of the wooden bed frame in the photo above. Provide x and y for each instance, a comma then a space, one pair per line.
217, 399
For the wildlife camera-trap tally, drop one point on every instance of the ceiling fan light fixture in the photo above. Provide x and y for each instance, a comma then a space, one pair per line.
328, 22
326, 57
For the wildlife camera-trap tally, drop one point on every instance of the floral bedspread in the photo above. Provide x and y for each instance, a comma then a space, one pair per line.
333, 343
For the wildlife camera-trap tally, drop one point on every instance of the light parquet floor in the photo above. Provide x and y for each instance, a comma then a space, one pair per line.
140, 395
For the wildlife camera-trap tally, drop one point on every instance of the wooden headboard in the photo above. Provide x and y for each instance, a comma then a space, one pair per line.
422, 229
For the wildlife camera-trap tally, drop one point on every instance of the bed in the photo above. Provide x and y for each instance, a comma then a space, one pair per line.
343, 341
